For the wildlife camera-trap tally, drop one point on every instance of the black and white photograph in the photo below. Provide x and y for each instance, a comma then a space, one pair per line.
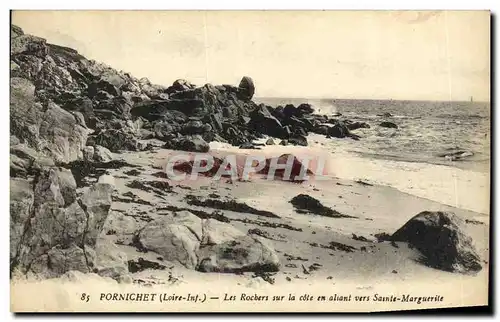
249, 161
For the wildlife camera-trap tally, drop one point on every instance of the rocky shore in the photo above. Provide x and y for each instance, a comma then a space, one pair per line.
88, 194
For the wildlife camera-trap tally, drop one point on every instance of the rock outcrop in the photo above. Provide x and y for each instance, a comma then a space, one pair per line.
54, 231
59, 97
442, 240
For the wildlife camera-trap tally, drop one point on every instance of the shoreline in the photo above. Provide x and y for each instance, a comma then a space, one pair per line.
419, 177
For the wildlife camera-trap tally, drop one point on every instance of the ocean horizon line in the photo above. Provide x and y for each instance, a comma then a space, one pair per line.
367, 99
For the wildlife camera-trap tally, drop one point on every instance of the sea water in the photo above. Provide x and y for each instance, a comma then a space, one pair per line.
410, 158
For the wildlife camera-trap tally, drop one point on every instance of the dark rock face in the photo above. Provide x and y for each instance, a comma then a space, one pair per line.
262, 121
388, 125
194, 143
441, 238
339, 130
117, 140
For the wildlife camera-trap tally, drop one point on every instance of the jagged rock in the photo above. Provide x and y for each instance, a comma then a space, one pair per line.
117, 140
151, 90
25, 160
67, 185
53, 224
195, 127
108, 179
15, 31
338, 130
246, 89
194, 143
388, 125
242, 254
50, 130
85, 106
179, 86
28, 44
263, 122
441, 238
304, 108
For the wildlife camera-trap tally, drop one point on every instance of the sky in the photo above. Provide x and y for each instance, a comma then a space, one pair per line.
423, 55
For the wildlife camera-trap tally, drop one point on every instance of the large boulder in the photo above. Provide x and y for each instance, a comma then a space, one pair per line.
241, 254
207, 245
338, 130
246, 89
174, 242
441, 238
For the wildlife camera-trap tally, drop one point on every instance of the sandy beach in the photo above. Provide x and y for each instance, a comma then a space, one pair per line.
367, 267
